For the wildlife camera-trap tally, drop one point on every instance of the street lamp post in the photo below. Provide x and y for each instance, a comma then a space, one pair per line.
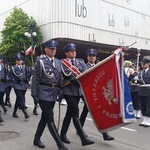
30, 34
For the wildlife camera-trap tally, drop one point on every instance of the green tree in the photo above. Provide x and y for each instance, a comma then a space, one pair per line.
13, 38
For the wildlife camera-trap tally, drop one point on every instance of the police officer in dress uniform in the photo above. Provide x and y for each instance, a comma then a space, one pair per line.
18, 76
49, 80
91, 57
144, 92
2, 86
72, 94
33, 93
8, 86
134, 88
2, 83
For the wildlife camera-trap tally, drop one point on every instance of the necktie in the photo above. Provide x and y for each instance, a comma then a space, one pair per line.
52, 61
72, 61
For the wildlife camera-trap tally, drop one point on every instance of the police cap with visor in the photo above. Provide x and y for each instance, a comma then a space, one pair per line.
92, 52
146, 60
18, 57
69, 47
51, 44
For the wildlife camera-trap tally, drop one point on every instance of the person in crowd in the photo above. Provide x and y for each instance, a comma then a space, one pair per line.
2, 83
91, 57
33, 93
20, 83
49, 82
8, 87
134, 87
144, 92
72, 94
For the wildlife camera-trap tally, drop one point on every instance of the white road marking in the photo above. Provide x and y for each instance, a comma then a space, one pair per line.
128, 129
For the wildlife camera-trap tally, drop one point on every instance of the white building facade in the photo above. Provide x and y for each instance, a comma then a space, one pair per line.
112, 22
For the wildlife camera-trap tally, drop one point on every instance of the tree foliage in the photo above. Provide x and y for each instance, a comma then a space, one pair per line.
13, 38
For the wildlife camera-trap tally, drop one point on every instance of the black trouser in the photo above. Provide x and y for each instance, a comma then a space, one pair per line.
20, 99
2, 98
72, 111
47, 110
136, 101
7, 91
145, 105
46, 116
84, 114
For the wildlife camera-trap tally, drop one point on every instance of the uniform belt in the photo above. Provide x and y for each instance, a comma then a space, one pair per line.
49, 85
145, 85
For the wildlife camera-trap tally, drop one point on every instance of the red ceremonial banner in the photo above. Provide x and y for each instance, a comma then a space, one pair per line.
101, 89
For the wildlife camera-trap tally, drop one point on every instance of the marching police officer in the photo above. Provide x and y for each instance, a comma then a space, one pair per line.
144, 92
134, 88
49, 80
8, 86
33, 93
2, 86
20, 83
2, 83
91, 57
72, 94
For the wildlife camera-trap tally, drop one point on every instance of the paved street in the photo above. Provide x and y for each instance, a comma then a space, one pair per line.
17, 133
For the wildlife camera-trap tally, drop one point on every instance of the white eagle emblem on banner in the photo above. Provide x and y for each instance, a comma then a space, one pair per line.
108, 93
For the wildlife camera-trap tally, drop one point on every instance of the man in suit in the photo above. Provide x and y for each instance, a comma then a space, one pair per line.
91, 57
49, 82
144, 93
72, 94
18, 75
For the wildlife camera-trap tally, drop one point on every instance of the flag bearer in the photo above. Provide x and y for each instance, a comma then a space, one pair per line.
91, 57
72, 94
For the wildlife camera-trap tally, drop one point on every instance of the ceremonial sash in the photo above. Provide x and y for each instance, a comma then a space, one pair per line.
71, 67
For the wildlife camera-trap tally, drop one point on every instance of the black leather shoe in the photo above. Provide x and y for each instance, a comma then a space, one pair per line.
87, 141
35, 112
65, 139
106, 137
38, 143
141, 125
27, 116
15, 115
